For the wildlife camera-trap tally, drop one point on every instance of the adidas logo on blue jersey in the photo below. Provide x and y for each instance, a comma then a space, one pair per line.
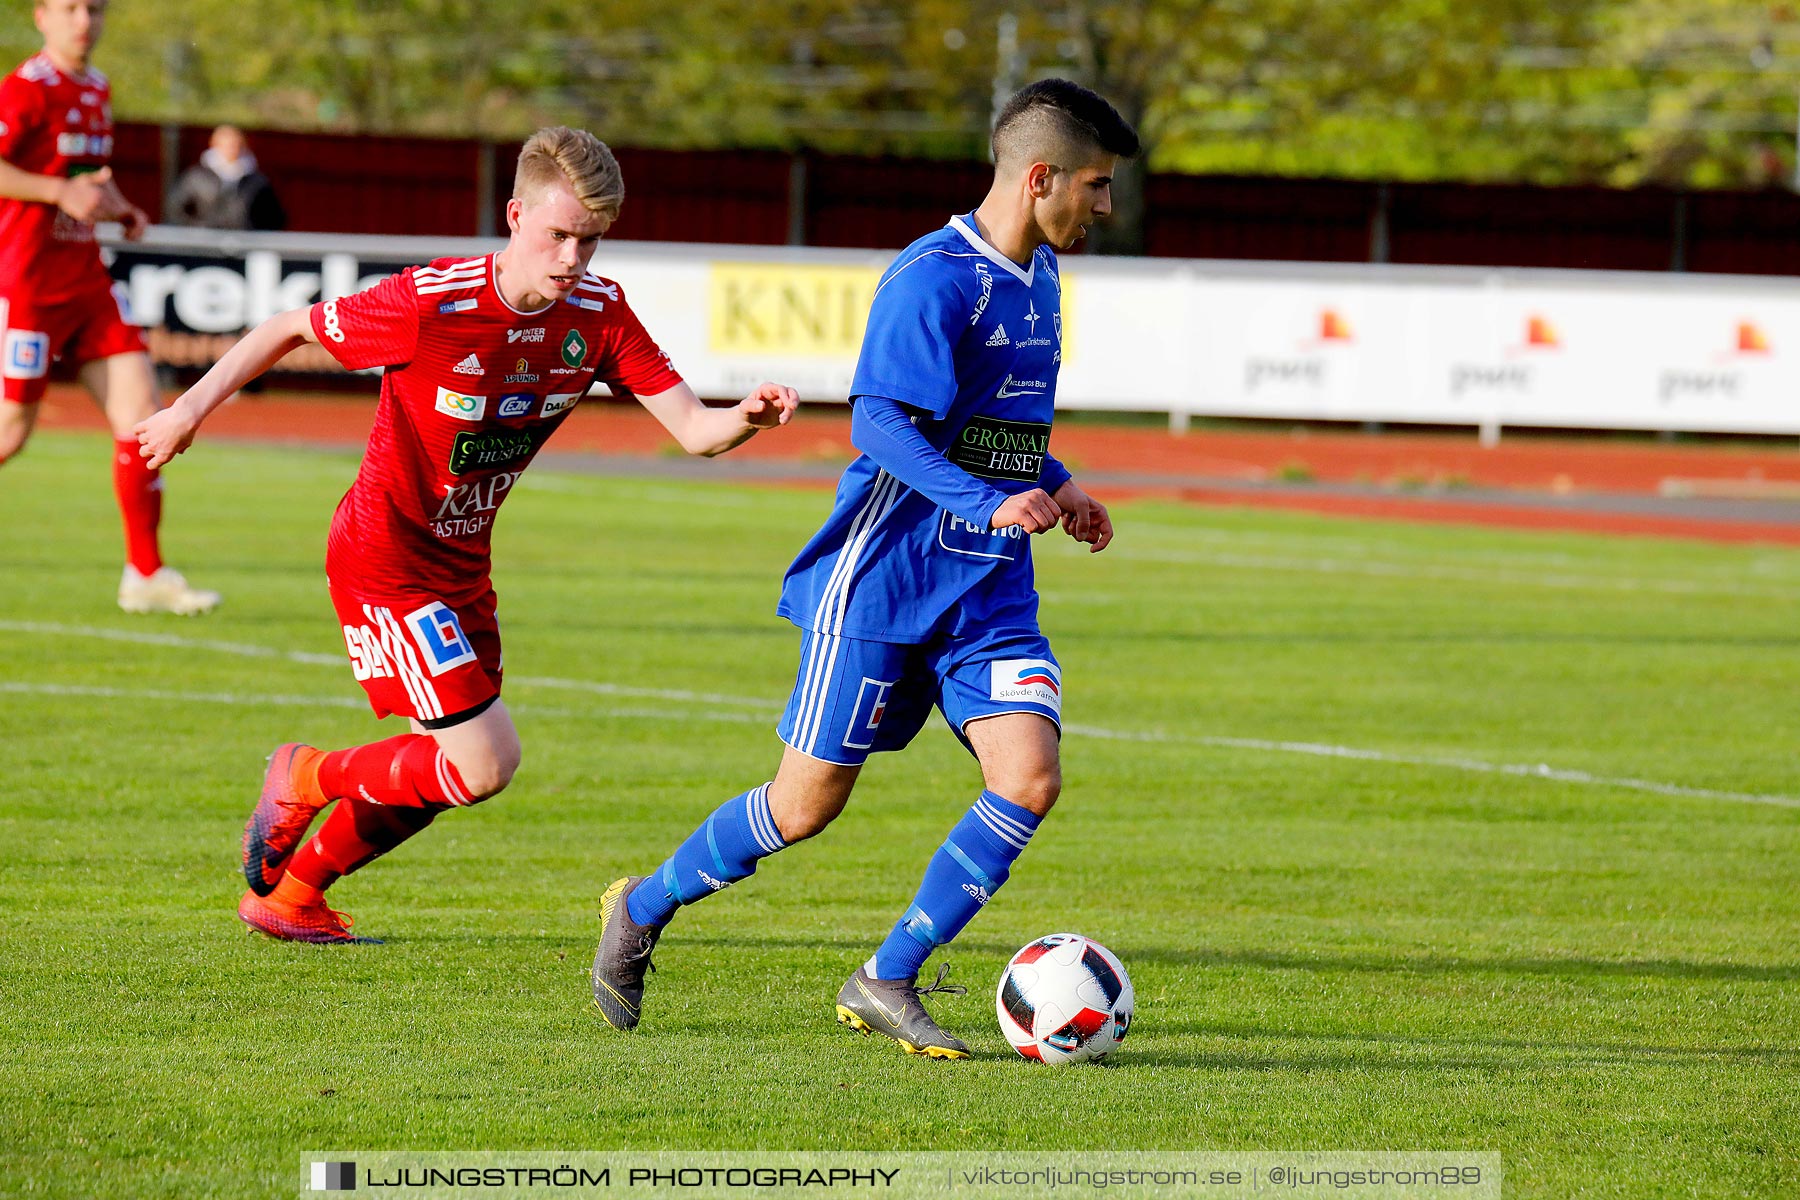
999, 337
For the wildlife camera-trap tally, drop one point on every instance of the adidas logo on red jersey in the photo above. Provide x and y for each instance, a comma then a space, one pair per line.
468, 366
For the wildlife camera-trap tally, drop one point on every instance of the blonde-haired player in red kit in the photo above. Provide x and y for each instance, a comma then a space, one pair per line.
485, 358
56, 298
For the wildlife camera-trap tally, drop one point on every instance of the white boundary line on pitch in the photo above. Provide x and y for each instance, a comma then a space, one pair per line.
1313, 749
233, 700
1478, 766
1455, 574
245, 650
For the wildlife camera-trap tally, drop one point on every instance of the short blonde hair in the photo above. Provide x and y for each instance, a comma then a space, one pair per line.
577, 156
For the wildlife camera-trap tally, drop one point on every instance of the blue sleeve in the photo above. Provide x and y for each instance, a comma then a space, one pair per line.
909, 347
883, 429
1054, 475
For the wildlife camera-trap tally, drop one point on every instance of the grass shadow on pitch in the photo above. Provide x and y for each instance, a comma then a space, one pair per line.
1460, 639
1382, 1051
1567, 968
1570, 968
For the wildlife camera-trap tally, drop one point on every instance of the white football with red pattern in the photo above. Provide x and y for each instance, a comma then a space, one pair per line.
1064, 998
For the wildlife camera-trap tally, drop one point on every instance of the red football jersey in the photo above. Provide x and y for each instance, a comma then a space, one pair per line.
51, 123
473, 389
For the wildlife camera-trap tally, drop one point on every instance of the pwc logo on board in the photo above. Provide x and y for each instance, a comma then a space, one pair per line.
1726, 378
1509, 374
1540, 333
1305, 368
1748, 340
1333, 327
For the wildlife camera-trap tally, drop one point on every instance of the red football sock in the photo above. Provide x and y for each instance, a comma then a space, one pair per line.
356, 833
408, 770
139, 490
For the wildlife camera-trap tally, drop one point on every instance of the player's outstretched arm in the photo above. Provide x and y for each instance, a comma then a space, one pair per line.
1084, 518
710, 431
167, 433
89, 197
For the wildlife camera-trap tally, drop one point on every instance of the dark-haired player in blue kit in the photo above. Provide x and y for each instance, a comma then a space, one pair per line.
919, 590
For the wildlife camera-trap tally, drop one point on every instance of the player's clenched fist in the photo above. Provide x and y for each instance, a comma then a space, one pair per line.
769, 405
165, 434
1034, 510
133, 221
90, 196
1084, 518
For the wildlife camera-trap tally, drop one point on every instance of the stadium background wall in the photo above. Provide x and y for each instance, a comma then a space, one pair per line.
1479, 346
457, 188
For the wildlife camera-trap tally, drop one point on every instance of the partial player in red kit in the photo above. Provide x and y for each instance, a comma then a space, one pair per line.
486, 357
57, 303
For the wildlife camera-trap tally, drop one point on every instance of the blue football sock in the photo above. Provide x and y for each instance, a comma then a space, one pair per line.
963, 875
722, 851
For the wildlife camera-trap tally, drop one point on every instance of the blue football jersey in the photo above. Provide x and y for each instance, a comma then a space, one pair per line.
973, 341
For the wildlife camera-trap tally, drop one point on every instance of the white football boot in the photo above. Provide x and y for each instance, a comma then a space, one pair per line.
165, 590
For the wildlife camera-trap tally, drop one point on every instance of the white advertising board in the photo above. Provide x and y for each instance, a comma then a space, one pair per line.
1301, 341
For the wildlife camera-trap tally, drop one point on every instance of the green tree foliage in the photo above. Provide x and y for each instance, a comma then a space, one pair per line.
1715, 85
1682, 92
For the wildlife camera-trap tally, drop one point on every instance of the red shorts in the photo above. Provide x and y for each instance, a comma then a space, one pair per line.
79, 330
419, 657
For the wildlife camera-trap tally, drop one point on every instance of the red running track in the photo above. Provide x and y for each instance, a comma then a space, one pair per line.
1536, 468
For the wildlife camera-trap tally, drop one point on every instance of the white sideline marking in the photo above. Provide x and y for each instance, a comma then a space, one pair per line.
616, 689
233, 700
1525, 770
1390, 570
135, 638
1315, 749
243, 650
113, 693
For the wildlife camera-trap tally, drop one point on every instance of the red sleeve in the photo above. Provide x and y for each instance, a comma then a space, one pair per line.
633, 361
376, 327
21, 113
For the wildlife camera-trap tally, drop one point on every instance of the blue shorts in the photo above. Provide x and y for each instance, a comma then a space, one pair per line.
853, 698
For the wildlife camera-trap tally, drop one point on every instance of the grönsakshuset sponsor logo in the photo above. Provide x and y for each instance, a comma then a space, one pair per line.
489, 449
994, 449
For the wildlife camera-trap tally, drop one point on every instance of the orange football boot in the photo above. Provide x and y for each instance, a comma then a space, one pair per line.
289, 802
304, 920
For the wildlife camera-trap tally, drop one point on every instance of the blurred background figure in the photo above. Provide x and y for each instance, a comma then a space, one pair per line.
225, 190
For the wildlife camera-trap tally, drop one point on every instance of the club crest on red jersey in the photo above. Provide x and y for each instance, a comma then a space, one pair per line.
574, 348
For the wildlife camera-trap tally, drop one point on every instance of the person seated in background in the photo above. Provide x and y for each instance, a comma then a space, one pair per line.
225, 189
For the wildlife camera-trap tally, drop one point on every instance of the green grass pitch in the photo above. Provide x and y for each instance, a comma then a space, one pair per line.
1302, 803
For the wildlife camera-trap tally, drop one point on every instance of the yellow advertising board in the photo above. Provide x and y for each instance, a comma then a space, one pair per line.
795, 310
789, 310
